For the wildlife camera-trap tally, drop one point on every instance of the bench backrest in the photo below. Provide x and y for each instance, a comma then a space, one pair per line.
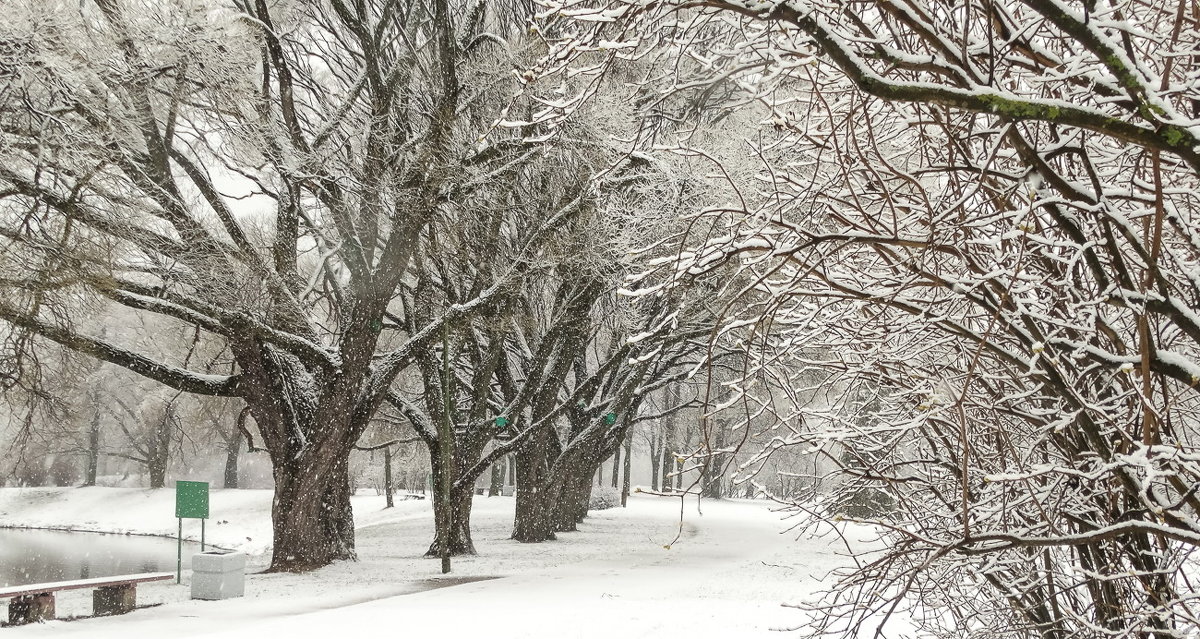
98, 582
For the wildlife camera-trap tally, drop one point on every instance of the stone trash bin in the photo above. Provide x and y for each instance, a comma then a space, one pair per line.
218, 574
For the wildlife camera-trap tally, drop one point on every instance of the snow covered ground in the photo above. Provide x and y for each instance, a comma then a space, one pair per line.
727, 575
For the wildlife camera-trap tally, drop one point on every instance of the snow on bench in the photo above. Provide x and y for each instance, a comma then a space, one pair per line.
113, 596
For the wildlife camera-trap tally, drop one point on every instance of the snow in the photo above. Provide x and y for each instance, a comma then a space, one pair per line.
624, 574
142, 512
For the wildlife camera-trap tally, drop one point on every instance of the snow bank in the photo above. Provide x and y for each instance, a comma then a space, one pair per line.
725, 576
241, 519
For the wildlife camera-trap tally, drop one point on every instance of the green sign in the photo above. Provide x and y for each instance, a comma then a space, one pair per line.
501, 421
191, 499
610, 419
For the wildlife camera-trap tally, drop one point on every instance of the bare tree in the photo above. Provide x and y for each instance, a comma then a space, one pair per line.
264, 176
984, 211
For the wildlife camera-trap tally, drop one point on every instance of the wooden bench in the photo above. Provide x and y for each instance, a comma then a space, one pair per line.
112, 596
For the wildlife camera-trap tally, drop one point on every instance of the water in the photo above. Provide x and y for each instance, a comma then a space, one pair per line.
39, 556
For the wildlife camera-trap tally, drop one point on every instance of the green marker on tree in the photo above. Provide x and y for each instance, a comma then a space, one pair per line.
610, 418
501, 422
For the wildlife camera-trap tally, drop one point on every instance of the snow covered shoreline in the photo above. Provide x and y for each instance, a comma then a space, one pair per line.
725, 577
240, 519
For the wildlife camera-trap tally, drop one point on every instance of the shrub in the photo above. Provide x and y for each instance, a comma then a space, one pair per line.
604, 497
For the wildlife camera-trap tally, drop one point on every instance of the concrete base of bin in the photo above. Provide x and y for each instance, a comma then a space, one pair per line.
218, 575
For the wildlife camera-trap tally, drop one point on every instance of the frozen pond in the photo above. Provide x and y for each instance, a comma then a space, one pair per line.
37, 556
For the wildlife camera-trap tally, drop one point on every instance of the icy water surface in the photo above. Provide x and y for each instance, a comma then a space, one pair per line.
38, 556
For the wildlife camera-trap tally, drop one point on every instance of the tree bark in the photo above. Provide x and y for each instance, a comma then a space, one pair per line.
583, 498
387, 477
616, 468
576, 493
655, 455
534, 520
309, 425
711, 484
627, 469
459, 519
158, 450
93, 459
664, 469
496, 479
536, 502
231, 459
157, 469
667, 448
311, 513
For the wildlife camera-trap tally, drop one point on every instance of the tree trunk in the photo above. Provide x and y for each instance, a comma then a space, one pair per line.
584, 503
311, 513
387, 477
616, 469
497, 478
534, 521
458, 518
573, 500
460, 525
93, 459
711, 485
627, 469
566, 518
156, 466
655, 454
160, 448
664, 468
667, 449
231, 459
537, 500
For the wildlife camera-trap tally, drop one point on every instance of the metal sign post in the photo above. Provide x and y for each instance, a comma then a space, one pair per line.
446, 453
191, 502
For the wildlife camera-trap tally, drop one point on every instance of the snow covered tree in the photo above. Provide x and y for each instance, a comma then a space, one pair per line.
544, 373
502, 236
588, 397
260, 172
986, 210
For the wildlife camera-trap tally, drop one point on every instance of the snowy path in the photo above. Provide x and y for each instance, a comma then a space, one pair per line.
726, 577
